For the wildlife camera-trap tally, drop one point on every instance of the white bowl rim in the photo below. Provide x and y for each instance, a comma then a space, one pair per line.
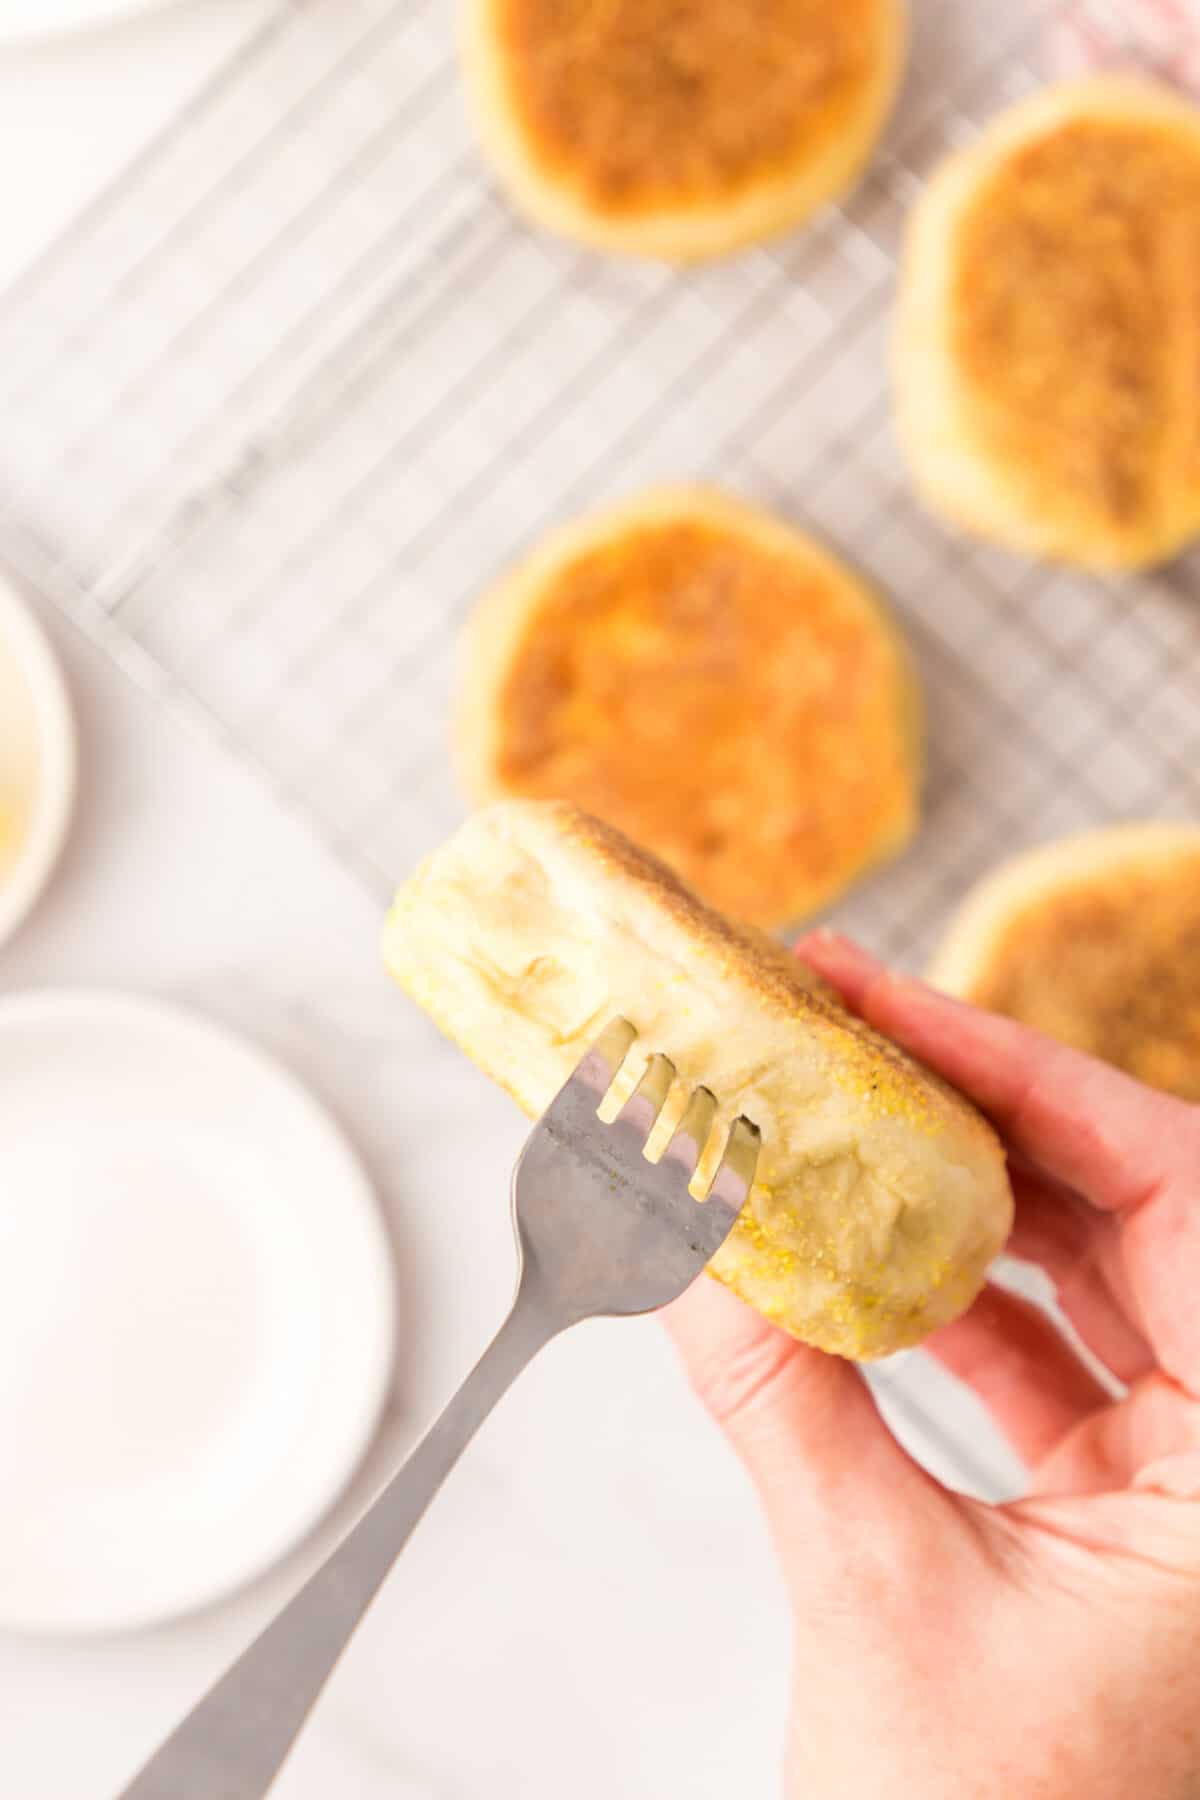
57, 753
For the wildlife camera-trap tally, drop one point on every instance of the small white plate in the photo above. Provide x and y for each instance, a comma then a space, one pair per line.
37, 761
197, 1312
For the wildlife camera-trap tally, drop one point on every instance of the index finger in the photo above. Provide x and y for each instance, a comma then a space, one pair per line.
1092, 1128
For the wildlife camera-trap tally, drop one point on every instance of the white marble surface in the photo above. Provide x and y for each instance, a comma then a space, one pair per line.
590, 1609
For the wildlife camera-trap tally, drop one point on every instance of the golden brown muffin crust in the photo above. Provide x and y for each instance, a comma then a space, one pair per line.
638, 103
725, 703
1112, 967
1077, 317
887, 1078
880, 1196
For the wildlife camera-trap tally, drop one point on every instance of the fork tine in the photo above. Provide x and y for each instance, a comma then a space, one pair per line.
600, 1066
644, 1231
741, 1154
614, 1044
735, 1174
643, 1106
692, 1133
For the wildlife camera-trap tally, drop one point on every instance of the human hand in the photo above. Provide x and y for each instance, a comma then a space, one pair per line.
1047, 1649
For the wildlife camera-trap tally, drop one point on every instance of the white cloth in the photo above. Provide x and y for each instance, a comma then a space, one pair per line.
1159, 37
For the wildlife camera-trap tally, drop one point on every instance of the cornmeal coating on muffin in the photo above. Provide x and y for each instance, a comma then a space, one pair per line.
1094, 940
713, 683
882, 1196
680, 128
1048, 349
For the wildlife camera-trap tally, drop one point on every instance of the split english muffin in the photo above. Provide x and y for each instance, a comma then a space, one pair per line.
1096, 941
1047, 354
711, 682
881, 1197
679, 128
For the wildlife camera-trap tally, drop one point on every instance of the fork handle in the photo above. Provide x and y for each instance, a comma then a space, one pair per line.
232, 1746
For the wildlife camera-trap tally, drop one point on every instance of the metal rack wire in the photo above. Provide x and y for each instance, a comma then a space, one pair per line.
287, 396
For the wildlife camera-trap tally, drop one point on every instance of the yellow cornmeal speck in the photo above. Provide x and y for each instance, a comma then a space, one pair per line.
893, 1096
751, 1229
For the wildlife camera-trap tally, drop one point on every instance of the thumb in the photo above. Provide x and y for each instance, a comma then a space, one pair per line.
835, 1485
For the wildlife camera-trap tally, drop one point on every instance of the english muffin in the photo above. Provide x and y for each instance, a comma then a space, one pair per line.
882, 1196
1096, 941
1048, 345
679, 128
711, 682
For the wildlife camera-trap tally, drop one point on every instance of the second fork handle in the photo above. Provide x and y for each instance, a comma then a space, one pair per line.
232, 1746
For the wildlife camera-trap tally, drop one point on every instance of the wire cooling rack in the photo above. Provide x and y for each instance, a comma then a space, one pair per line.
288, 396
285, 399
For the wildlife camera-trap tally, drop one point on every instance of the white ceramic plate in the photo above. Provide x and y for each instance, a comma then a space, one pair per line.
45, 18
37, 761
196, 1312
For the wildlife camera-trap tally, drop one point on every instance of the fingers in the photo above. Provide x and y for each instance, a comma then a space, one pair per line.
1079, 1249
1128, 1150
1146, 1439
1160, 1250
1098, 1131
827, 1470
1034, 1386
1051, 1226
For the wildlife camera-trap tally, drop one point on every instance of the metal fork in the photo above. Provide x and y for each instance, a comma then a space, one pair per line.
601, 1231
